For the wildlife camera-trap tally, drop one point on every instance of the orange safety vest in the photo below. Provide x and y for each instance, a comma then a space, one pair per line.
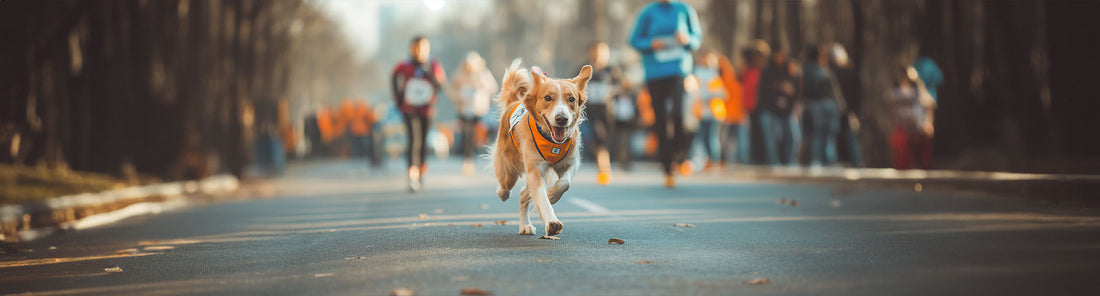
550, 151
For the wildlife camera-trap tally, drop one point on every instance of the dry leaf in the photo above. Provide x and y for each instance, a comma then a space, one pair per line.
451, 224
402, 292
794, 203
501, 222
549, 237
355, 258
317, 275
113, 269
683, 225
615, 241
758, 281
644, 262
918, 187
475, 291
478, 225
422, 216
544, 260
53, 248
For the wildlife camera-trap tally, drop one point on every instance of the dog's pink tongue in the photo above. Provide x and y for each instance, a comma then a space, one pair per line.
559, 134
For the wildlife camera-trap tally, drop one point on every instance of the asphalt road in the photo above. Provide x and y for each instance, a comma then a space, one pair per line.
340, 228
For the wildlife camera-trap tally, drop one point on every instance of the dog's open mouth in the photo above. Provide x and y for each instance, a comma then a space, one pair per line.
558, 133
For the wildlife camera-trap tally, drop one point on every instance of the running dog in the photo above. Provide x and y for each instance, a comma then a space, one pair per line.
538, 138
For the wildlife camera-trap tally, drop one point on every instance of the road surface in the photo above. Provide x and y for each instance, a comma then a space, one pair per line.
336, 227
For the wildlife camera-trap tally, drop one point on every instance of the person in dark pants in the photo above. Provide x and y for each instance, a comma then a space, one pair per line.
823, 106
416, 81
779, 129
665, 33
601, 89
472, 90
847, 78
626, 121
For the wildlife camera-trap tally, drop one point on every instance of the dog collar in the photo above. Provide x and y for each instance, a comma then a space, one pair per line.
550, 151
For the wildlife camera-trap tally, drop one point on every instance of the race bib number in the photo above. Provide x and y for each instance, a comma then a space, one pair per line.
673, 50
418, 92
598, 91
624, 108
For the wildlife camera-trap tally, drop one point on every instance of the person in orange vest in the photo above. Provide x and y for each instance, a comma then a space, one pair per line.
720, 104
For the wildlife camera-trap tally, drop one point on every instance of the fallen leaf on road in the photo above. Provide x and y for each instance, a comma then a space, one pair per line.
644, 262
758, 281
317, 275
549, 237
475, 291
355, 258
501, 222
544, 260
53, 248
478, 225
835, 203
451, 224
422, 216
781, 200
918, 187
484, 206
403, 292
683, 225
794, 203
159, 248
113, 269
615, 241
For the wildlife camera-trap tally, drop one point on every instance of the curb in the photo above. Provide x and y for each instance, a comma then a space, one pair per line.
27, 221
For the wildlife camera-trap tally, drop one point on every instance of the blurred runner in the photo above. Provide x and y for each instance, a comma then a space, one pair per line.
416, 81
602, 89
665, 33
848, 80
472, 89
627, 116
721, 105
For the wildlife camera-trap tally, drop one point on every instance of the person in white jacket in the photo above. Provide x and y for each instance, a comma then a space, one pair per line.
472, 89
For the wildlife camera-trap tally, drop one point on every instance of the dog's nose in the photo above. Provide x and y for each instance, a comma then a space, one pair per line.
561, 120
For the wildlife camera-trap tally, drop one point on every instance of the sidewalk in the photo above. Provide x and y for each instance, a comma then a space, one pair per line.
28, 221
1078, 187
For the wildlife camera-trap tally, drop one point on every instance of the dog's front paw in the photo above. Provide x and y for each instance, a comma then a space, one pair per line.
504, 194
554, 227
557, 191
527, 229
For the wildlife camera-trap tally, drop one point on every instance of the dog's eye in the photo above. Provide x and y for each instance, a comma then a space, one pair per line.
547, 98
572, 99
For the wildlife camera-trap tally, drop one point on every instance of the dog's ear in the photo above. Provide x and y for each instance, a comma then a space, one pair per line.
537, 77
582, 79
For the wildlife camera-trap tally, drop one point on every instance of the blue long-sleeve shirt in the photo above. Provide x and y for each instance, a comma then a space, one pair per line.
662, 20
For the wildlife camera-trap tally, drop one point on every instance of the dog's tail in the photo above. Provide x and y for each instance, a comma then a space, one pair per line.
514, 85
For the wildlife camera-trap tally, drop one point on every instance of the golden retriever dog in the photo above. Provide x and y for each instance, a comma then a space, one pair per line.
538, 138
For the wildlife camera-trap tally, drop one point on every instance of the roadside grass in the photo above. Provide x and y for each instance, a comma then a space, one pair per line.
22, 184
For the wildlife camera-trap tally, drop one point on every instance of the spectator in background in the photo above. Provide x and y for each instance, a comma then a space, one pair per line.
602, 89
848, 81
665, 33
720, 103
747, 137
627, 117
823, 105
778, 91
912, 109
416, 81
472, 90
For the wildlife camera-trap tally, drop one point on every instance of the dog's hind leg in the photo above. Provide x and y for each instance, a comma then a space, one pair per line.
525, 226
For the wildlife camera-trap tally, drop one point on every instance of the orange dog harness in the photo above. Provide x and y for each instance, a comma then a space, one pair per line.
550, 151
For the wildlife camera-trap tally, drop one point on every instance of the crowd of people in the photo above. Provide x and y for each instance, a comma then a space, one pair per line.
777, 110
